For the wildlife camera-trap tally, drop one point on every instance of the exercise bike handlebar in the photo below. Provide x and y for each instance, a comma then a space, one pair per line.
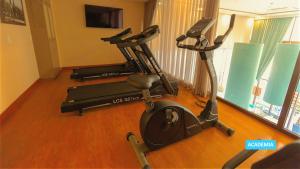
197, 46
116, 38
220, 39
141, 38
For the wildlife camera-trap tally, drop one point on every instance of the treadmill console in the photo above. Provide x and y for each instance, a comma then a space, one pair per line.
200, 28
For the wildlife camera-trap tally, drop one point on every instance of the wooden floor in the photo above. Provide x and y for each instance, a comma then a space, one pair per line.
37, 135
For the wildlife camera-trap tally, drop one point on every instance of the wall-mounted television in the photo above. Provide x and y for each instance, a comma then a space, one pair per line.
103, 17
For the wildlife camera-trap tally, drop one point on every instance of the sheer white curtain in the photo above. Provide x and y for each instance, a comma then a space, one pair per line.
174, 18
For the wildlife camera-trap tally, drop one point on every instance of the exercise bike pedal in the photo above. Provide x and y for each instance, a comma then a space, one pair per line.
140, 150
226, 130
200, 104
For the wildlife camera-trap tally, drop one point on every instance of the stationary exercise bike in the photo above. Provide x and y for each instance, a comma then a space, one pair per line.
166, 122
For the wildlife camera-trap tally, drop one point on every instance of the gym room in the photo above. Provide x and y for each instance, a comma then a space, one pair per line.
82, 81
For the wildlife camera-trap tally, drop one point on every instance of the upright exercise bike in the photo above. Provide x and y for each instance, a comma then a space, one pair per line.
166, 122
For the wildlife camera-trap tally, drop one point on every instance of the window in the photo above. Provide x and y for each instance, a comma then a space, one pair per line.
265, 97
222, 56
261, 107
293, 121
293, 33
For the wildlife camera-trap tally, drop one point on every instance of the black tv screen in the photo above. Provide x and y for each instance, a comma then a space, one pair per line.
103, 17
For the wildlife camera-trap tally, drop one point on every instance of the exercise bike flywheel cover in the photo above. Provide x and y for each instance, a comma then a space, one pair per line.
163, 125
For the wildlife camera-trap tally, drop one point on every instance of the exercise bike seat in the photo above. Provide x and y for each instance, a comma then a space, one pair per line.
142, 81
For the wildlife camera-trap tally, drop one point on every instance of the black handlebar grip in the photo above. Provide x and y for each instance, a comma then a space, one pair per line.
105, 39
232, 19
150, 31
123, 33
118, 36
220, 39
181, 38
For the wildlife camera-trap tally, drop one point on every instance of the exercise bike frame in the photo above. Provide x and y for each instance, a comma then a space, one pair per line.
209, 116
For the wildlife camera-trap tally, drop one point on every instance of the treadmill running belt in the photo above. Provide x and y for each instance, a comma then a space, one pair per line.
102, 69
96, 91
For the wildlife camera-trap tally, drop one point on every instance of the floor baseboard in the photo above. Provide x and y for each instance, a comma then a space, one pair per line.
13, 106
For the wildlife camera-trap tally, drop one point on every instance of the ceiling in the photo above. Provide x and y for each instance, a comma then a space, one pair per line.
259, 7
262, 7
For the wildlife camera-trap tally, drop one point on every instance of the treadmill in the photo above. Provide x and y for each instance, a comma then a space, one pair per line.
80, 98
130, 67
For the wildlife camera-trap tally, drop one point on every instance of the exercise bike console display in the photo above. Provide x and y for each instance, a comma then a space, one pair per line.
200, 28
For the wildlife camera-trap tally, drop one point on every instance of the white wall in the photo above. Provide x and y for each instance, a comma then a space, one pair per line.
79, 45
18, 64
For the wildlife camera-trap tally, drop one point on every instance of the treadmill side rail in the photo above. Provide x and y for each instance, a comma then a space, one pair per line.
71, 104
89, 73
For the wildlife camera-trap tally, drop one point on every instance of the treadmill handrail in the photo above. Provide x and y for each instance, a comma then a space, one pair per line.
114, 39
147, 35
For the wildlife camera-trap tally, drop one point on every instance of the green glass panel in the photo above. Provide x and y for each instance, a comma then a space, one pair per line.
242, 73
281, 72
